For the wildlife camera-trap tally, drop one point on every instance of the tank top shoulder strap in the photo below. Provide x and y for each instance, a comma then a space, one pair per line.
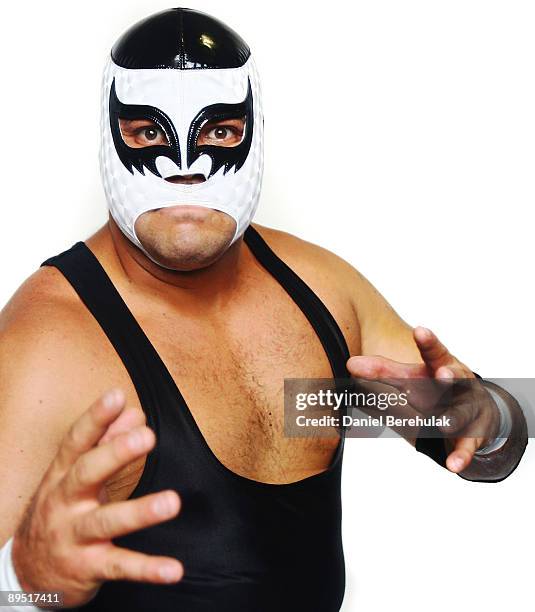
313, 308
94, 287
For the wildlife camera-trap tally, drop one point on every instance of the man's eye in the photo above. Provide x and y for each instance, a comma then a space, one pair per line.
221, 135
151, 135
139, 133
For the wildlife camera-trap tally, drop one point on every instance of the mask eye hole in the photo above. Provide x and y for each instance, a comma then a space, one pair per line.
222, 133
140, 133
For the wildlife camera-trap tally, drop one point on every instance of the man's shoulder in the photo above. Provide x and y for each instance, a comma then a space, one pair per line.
331, 278
44, 327
312, 262
43, 301
53, 355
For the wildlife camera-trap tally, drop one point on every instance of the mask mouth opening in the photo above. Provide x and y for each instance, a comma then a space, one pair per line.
186, 179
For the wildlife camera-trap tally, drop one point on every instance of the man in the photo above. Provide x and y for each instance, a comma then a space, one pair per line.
177, 490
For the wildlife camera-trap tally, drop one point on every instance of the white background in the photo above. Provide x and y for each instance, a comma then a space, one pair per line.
399, 134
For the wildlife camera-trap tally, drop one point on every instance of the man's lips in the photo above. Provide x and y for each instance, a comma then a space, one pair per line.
186, 211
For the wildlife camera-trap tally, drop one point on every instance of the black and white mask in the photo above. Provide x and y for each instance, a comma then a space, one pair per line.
175, 98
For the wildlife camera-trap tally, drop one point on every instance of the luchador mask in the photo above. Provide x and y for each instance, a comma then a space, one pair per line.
174, 75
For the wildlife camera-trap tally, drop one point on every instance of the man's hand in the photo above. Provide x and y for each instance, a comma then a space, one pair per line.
64, 540
475, 421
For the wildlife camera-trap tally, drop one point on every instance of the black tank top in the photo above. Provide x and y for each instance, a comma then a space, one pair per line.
246, 546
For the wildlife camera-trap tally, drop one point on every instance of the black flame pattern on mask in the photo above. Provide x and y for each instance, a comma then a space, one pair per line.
142, 157
223, 156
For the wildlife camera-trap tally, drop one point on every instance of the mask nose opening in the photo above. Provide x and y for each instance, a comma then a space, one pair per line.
186, 179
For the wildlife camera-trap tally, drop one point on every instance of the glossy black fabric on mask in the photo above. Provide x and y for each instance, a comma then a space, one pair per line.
246, 546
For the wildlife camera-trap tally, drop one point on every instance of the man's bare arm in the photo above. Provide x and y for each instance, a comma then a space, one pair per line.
36, 393
57, 456
392, 349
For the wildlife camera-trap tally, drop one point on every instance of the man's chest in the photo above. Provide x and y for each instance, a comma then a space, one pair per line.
231, 374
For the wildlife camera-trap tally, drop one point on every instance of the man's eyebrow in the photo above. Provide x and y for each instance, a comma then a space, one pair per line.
137, 119
225, 120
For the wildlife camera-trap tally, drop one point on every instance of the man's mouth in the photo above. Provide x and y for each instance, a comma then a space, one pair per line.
186, 211
186, 179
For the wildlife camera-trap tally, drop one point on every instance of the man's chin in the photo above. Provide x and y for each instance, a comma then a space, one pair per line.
185, 237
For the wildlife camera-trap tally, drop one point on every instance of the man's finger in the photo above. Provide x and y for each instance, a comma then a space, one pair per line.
412, 378
129, 418
450, 373
120, 518
460, 458
372, 367
460, 415
87, 430
122, 564
91, 470
433, 352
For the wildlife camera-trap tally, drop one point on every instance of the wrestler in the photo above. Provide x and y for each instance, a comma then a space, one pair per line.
177, 490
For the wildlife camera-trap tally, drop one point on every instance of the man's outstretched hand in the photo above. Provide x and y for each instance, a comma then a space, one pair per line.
64, 542
473, 423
